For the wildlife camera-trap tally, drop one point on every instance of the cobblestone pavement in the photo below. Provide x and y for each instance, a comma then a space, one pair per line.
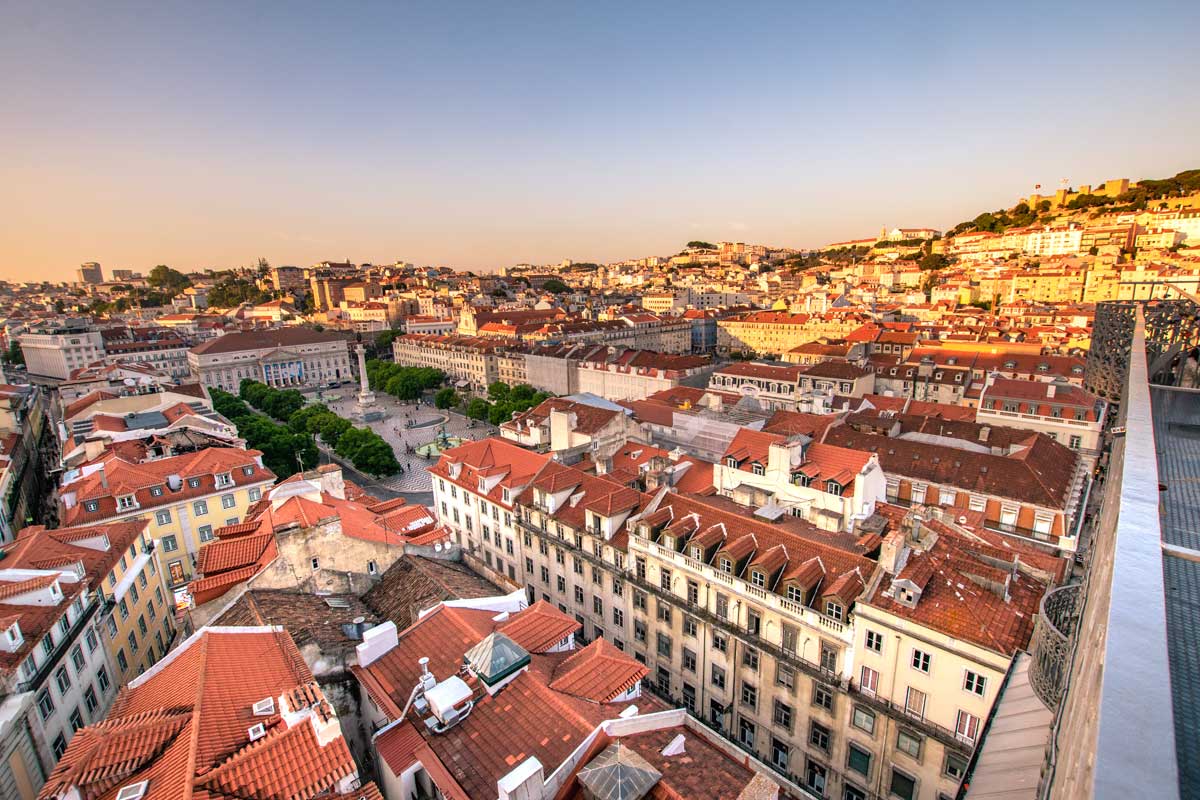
428, 420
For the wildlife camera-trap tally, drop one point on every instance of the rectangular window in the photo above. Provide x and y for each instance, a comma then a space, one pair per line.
858, 760
45, 704
909, 742
975, 683
966, 727
902, 786
914, 703
77, 657
227, 501
818, 736
863, 719
206, 533
869, 682
782, 715
200, 508
720, 643
779, 754
102, 676
689, 660
664, 645
618, 617
874, 641
785, 676
920, 660
749, 695
718, 676
163, 517
169, 544
746, 732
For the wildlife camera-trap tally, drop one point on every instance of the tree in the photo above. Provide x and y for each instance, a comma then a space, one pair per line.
696, 243
167, 280
498, 390
446, 398
500, 412
233, 291
15, 354
521, 393
933, 261
555, 286
479, 409
376, 457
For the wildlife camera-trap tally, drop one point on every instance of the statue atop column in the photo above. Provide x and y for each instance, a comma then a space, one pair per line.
366, 398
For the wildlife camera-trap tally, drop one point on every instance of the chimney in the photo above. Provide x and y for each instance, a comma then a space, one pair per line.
985, 433
103, 477
376, 641
893, 553
1050, 391
524, 782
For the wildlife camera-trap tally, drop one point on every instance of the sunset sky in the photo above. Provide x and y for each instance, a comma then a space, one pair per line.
482, 135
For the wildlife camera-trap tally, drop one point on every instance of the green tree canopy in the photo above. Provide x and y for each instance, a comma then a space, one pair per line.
696, 243
478, 408
167, 280
446, 398
555, 286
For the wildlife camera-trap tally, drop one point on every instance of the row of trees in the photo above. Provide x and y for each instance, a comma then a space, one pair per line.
285, 452
404, 383
503, 401
362, 447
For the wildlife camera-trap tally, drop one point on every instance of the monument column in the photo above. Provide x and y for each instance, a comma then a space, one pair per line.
366, 398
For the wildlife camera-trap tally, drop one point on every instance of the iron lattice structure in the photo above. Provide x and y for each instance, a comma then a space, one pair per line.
1172, 344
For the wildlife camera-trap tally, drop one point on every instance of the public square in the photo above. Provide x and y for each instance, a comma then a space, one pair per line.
427, 421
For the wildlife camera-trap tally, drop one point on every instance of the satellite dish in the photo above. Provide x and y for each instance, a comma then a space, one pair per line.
437, 548
129, 382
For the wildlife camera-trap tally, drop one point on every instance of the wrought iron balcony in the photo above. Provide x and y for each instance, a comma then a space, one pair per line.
1050, 646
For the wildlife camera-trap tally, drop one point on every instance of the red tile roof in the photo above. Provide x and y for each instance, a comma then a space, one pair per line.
599, 672
183, 726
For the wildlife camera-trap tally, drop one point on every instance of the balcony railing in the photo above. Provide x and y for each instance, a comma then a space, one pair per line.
1051, 643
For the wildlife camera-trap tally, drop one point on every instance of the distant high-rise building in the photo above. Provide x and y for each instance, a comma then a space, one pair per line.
123, 274
90, 272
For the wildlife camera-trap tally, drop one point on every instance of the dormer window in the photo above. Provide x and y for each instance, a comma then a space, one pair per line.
795, 593
224, 479
731, 462
506, 495
91, 505
834, 488
833, 609
906, 596
758, 579
193, 483
725, 565
156, 491
126, 502
697, 553
13, 636
758, 469
248, 470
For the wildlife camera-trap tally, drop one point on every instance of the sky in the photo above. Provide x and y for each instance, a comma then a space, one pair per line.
481, 135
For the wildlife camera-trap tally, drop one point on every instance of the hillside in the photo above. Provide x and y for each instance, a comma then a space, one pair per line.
1146, 194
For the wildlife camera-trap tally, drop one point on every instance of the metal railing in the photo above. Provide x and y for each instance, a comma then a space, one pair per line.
1051, 643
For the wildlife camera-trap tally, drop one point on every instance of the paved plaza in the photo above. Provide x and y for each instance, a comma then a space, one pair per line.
427, 421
